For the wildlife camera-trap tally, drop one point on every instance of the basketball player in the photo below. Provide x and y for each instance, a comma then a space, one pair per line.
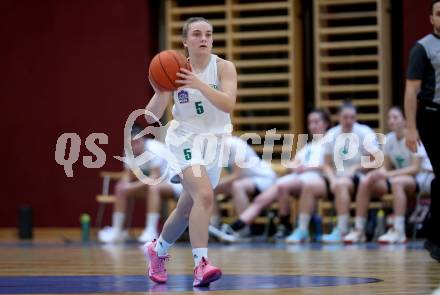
249, 174
343, 167
404, 173
422, 100
129, 186
305, 181
201, 116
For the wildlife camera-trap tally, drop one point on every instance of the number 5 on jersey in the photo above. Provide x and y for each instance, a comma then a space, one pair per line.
187, 154
199, 107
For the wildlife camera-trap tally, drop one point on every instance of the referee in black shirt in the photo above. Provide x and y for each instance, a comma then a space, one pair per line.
422, 100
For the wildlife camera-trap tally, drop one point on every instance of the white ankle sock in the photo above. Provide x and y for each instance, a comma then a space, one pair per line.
162, 246
303, 221
198, 253
399, 224
343, 223
360, 223
152, 219
118, 219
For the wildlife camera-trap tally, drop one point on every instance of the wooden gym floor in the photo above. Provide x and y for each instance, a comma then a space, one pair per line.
55, 264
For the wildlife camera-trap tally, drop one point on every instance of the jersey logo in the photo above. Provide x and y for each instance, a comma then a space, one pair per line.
183, 96
400, 161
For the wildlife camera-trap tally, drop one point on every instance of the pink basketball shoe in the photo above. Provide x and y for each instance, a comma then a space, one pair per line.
205, 273
156, 267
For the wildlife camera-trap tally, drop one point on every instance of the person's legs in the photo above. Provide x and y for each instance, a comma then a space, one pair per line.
234, 232
241, 189
175, 225
401, 187
287, 185
313, 187
124, 192
201, 192
426, 118
366, 189
120, 205
342, 189
224, 187
200, 189
262, 201
153, 204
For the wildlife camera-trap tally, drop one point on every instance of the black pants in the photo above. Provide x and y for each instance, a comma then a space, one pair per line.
428, 120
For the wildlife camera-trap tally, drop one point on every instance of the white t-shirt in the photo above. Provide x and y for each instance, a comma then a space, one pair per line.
244, 156
401, 156
194, 112
347, 149
312, 154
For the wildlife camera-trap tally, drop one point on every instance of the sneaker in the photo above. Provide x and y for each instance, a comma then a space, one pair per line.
148, 235
225, 234
392, 237
334, 237
156, 267
112, 235
298, 236
433, 249
205, 273
354, 237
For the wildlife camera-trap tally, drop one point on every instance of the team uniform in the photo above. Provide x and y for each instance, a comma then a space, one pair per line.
424, 65
347, 150
311, 155
194, 139
401, 157
195, 134
151, 158
242, 155
340, 149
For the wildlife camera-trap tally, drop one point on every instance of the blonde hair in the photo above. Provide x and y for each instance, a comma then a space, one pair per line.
191, 20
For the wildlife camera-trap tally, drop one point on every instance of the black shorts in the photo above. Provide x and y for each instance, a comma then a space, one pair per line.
255, 194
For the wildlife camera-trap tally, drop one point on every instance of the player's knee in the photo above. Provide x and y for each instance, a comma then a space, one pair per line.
308, 186
283, 188
396, 184
364, 184
206, 198
340, 186
236, 187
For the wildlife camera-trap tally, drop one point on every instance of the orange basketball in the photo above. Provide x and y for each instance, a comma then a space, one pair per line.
164, 67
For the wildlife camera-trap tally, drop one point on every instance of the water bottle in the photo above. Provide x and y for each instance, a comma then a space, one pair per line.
85, 227
25, 223
316, 224
380, 224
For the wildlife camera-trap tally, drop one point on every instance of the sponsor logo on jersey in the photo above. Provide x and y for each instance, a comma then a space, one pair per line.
183, 96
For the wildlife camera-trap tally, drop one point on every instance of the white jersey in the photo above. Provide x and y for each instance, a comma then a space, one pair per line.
156, 159
401, 156
347, 152
194, 112
244, 156
312, 154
